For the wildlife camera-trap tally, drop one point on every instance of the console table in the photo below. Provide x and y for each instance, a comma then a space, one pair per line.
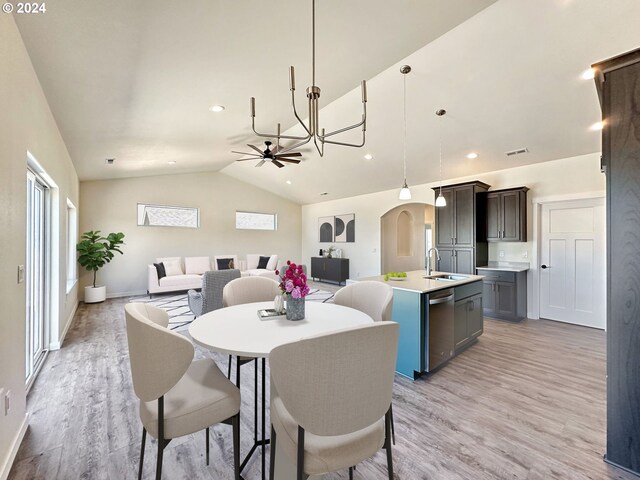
331, 269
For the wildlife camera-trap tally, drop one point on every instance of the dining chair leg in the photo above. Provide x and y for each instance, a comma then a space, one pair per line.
207, 445
272, 454
350, 473
161, 443
393, 426
238, 372
255, 400
235, 423
144, 441
229, 370
300, 475
387, 441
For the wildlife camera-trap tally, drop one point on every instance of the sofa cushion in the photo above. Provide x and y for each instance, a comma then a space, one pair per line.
225, 263
262, 262
173, 268
181, 280
261, 272
252, 261
160, 269
273, 262
196, 265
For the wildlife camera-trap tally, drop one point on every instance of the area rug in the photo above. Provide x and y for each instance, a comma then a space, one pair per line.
180, 316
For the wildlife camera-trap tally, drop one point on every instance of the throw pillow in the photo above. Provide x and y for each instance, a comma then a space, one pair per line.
160, 270
262, 263
224, 263
172, 267
273, 262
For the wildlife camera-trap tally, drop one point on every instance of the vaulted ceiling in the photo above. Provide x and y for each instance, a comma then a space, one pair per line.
134, 81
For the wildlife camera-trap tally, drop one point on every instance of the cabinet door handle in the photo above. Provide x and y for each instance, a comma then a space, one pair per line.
502, 233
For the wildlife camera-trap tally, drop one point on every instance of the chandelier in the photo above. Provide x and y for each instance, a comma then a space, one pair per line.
312, 127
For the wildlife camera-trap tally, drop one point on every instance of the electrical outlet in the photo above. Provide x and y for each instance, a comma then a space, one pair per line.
7, 402
20, 273
525, 255
374, 250
501, 254
2, 393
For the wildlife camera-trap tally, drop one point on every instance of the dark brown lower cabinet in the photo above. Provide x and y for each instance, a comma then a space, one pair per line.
504, 294
330, 269
468, 323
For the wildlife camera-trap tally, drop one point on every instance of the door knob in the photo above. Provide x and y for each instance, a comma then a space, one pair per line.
544, 267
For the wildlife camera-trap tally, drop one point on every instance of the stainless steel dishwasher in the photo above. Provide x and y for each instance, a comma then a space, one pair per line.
440, 342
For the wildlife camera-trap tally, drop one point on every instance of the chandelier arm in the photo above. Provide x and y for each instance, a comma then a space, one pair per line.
295, 112
362, 124
273, 135
295, 145
348, 144
315, 142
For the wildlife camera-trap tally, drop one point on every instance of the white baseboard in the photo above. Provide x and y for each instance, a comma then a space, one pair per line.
57, 345
6, 468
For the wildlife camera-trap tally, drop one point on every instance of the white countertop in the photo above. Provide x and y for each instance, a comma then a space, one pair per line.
507, 267
415, 281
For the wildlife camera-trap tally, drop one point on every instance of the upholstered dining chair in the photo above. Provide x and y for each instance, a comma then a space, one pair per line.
376, 300
248, 290
210, 298
180, 396
373, 298
330, 398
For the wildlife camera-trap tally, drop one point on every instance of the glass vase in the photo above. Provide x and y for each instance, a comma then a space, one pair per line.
295, 308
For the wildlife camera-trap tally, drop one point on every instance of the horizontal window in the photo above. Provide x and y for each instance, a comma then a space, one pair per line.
168, 216
256, 221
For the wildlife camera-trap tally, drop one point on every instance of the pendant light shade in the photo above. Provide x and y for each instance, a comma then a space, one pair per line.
405, 193
440, 201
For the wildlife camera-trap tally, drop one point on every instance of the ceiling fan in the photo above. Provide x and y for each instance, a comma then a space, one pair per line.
269, 155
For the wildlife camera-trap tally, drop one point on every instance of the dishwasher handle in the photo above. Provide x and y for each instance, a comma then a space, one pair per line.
439, 300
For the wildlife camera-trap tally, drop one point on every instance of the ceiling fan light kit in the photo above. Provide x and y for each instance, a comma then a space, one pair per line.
312, 128
405, 193
275, 156
441, 201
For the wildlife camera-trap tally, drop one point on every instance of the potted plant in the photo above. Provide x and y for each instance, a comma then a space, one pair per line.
94, 252
293, 284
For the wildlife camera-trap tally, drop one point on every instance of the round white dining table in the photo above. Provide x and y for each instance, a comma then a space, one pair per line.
238, 331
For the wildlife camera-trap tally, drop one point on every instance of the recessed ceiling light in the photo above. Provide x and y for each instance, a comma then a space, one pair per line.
288, 182
171, 162
368, 156
472, 155
597, 126
217, 108
324, 193
589, 74
109, 161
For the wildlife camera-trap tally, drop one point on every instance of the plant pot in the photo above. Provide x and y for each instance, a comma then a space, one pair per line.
95, 294
295, 308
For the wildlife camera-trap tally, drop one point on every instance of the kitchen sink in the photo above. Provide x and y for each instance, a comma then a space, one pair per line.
446, 277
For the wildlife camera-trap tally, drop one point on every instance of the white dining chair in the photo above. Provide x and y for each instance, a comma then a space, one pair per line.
373, 298
330, 398
178, 396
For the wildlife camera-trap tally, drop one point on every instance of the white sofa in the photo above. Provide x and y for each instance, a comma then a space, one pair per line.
187, 275
252, 269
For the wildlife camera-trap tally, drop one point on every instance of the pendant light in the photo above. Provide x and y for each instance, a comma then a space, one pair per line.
440, 201
405, 193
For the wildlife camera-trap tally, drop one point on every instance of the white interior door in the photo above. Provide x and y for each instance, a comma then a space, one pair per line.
572, 262
35, 274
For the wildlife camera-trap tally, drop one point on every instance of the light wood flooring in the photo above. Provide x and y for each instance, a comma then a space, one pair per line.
526, 402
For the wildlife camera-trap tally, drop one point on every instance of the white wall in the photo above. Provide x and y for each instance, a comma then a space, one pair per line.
111, 206
559, 177
26, 124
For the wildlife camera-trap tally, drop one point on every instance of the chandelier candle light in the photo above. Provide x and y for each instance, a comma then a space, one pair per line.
405, 193
441, 201
293, 285
312, 129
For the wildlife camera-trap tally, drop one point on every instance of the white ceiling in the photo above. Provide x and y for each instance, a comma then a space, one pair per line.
134, 79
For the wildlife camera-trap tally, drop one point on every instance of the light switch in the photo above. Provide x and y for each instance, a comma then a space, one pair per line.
7, 403
20, 273
501, 254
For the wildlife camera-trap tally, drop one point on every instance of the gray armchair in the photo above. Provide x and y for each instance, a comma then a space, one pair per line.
210, 298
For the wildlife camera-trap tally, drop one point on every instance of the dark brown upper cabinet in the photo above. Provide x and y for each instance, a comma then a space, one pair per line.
507, 215
461, 227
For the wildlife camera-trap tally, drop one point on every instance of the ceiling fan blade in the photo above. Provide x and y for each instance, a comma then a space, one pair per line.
260, 163
289, 160
292, 154
277, 163
245, 153
255, 148
245, 159
275, 149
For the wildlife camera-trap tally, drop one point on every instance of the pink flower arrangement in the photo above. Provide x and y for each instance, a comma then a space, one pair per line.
293, 281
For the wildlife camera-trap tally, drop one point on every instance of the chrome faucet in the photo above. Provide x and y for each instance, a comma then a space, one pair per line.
428, 265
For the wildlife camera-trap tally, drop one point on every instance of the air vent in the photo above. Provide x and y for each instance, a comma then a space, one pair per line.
109, 161
518, 151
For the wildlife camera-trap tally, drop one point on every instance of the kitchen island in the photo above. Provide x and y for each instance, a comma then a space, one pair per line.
439, 317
